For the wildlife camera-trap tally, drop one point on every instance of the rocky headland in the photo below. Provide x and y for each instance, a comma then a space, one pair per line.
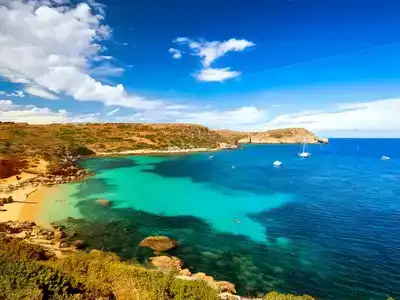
283, 136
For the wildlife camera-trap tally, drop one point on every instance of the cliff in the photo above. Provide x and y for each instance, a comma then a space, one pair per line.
277, 136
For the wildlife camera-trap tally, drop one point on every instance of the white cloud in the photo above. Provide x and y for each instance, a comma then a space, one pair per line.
106, 71
219, 75
110, 113
176, 54
35, 115
102, 57
51, 44
240, 118
39, 92
19, 94
379, 115
209, 52
237, 118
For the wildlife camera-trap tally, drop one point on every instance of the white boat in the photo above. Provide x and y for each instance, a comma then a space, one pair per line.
277, 163
303, 152
385, 157
211, 157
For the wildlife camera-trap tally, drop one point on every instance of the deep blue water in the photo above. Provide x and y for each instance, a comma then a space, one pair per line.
328, 225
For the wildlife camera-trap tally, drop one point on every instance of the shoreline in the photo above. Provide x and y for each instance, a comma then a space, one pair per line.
151, 151
33, 205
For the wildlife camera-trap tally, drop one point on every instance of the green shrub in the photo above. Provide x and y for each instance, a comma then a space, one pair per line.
12, 248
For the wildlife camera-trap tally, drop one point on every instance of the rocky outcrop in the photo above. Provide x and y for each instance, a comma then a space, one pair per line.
104, 202
158, 243
52, 240
11, 167
167, 263
282, 136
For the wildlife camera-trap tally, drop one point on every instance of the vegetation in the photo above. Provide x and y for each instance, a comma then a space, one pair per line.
278, 296
27, 272
23, 139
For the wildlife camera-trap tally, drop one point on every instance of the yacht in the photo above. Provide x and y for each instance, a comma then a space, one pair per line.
303, 152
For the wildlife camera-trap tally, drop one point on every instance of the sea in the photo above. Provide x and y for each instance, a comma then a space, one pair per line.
327, 225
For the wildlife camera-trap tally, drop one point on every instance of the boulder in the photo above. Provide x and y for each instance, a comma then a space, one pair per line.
104, 202
229, 296
167, 263
185, 272
225, 286
158, 243
79, 244
205, 277
59, 234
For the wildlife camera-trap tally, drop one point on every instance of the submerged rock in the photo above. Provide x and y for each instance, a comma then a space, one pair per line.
104, 202
167, 262
158, 243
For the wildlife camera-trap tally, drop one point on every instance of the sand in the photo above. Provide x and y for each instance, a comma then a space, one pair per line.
31, 208
13, 179
11, 211
26, 200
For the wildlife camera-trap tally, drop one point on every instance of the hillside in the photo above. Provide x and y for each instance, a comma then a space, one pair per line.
276, 136
16, 139
38, 263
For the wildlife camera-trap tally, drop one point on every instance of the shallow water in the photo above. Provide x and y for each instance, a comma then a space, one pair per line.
328, 225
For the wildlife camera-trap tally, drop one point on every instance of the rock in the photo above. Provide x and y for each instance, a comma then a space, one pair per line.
203, 276
167, 263
185, 272
22, 235
104, 202
220, 286
158, 243
59, 234
228, 296
225, 286
79, 244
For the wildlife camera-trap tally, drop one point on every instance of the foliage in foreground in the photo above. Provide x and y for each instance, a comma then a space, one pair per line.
25, 273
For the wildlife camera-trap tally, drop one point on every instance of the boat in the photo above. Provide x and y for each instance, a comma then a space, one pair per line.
385, 157
303, 153
277, 163
211, 157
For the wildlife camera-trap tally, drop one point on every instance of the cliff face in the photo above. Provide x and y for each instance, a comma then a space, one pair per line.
282, 136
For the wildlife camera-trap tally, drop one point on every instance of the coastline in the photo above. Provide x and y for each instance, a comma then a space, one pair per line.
150, 151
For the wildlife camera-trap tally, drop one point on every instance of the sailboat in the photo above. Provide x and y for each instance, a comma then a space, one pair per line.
303, 153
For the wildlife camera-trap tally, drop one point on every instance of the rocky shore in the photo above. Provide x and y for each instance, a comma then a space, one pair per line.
57, 245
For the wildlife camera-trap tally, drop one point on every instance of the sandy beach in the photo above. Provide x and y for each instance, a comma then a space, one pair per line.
31, 207
27, 199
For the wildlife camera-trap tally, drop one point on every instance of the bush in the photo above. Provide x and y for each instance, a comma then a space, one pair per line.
12, 248
81, 151
103, 274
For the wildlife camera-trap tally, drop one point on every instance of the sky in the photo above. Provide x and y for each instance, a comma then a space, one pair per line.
331, 66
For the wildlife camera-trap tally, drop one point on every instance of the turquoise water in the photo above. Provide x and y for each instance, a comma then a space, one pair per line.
327, 226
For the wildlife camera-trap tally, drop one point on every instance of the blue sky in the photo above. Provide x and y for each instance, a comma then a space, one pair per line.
331, 66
